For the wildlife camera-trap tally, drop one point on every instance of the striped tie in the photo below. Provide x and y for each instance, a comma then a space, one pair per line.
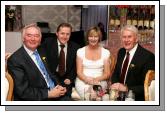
44, 71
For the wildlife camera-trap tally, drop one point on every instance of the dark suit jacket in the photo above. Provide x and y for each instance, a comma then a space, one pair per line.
29, 84
51, 47
142, 61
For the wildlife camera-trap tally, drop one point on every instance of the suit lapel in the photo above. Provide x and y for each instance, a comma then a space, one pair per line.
55, 52
69, 56
136, 56
44, 59
121, 58
32, 64
133, 62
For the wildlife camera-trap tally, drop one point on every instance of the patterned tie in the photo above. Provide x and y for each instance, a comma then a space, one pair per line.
49, 81
124, 68
62, 61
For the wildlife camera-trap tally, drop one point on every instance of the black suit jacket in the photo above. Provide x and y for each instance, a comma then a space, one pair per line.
29, 84
142, 61
51, 47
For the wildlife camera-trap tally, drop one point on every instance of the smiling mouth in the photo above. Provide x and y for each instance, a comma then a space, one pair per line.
127, 44
93, 41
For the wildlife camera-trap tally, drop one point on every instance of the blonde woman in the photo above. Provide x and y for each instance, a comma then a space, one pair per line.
93, 64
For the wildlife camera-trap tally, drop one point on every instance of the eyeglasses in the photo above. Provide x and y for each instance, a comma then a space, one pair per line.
33, 35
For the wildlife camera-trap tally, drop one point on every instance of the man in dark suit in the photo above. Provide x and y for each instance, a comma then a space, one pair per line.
140, 61
53, 48
31, 82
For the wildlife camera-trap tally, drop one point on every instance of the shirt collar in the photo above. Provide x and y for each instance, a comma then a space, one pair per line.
60, 43
30, 52
132, 51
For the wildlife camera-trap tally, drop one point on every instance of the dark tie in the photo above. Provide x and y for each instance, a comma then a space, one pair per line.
44, 71
62, 61
124, 68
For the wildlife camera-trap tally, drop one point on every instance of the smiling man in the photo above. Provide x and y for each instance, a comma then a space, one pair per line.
32, 78
133, 62
61, 54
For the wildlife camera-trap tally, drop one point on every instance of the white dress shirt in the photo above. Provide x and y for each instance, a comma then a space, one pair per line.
131, 54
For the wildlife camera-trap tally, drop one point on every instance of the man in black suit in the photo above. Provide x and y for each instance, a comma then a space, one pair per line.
31, 82
140, 61
52, 46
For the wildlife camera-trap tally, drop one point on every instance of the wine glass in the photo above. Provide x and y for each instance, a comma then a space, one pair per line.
130, 96
122, 95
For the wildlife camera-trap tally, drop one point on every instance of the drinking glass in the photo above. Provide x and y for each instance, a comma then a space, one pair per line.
113, 94
122, 95
130, 96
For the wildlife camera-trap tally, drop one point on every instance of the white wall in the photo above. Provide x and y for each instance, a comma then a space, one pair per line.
13, 41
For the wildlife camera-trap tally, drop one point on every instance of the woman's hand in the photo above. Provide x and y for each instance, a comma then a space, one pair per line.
92, 81
96, 81
89, 80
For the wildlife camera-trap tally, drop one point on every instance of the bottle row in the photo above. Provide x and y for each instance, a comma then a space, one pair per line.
140, 24
141, 16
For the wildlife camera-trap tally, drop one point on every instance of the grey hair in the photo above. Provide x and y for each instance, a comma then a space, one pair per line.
31, 25
130, 28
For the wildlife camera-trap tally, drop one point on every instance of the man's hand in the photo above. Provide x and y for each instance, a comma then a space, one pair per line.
57, 92
67, 81
119, 87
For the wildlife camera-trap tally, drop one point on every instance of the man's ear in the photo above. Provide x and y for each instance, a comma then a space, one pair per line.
137, 39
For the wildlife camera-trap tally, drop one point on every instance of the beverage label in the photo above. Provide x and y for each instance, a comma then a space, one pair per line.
129, 22
134, 22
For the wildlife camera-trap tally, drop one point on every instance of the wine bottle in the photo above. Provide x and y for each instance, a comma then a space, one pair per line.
112, 18
152, 17
117, 18
140, 17
146, 18
117, 23
112, 24
135, 16
129, 16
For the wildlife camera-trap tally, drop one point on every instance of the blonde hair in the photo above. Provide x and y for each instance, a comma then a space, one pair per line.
29, 26
94, 31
